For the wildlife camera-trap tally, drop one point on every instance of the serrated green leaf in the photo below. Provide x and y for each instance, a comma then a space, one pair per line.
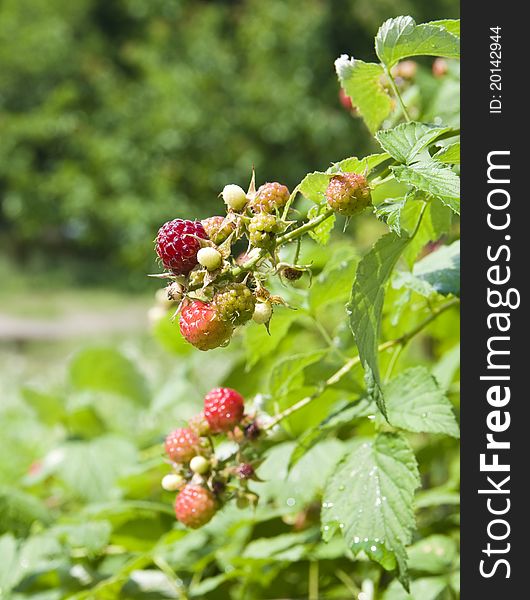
433, 178
400, 37
369, 499
452, 25
313, 186
361, 166
415, 402
389, 211
449, 154
407, 140
321, 233
288, 373
362, 83
106, 370
366, 305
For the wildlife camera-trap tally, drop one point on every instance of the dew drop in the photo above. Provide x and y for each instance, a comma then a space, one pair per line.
373, 548
290, 502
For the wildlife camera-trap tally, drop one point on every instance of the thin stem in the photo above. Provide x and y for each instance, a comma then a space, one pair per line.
397, 94
355, 360
299, 231
327, 338
313, 580
393, 361
348, 582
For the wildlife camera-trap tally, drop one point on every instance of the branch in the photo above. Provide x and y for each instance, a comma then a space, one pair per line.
352, 362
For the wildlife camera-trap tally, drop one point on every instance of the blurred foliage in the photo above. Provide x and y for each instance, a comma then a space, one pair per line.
116, 116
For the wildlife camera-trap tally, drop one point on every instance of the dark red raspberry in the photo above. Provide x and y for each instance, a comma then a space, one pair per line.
182, 445
176, 245
270, 197
195, 506
348, 193
223, 409
201, 326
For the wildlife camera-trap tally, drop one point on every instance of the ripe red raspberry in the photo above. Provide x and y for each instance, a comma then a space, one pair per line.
270, 196
195, 506
217, 229
177, 247
201, 326
223, 409
235, 303
348, 193
182, 445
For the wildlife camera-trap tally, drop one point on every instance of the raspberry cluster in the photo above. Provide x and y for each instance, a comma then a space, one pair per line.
204, 481
214, 291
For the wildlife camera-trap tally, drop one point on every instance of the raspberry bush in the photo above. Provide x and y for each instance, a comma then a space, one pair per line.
310, 450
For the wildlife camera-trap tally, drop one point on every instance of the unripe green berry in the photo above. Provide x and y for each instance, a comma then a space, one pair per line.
210, 258
234, 197
199, 464
262, 313
172, 482
235, 303
261, 230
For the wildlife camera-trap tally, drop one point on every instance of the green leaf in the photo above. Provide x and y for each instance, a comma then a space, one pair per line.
277, 548
362, 82
313, 186
362, 166
415, 402
9, 565
345, 415
259, 343
288, 373
438, 272
407, 140
441, 269
19, 511
400, 37
433, 178
436, 222
389, 211
333, 284
106, 370
366, 305
434, 554
427, 588
49, 408
449, 154
452, 25
321, 233
369, 498
91, 469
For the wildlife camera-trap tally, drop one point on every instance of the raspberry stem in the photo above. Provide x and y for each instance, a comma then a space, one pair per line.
355, 360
